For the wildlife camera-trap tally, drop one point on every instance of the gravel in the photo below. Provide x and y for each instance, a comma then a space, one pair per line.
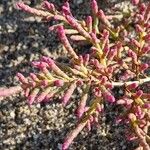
24, 38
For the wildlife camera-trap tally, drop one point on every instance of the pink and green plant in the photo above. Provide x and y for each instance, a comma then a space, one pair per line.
120, 44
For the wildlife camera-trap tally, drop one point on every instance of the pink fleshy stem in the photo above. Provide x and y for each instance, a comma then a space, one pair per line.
79, 73
33, 95
147, 13
145, 50
124, 101
82, 105
94, 6
99, 107
142, 139
5, 92
78, 27
139, 29
91, 119
98, 51
86, 59
135, 43
43, 95
138, 94
89, 23
142, 8
88, 125
147, 37
111, 17
47, 73
77, 38
58, 83
41, 76
71, 31
26, 92
65, 42
72, 135
145, 96
132, 86
39, 64
49, 6
60, 18
112, 53
68, 93
103, 18
21, 78
41, 13
66, 9
34, 77
54, 67
135, 2
54, 27
94, 38
105, 39
49, 96
106, 49
109, 97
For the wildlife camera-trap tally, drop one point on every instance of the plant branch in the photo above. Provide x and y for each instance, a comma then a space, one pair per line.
141, 81
5, 92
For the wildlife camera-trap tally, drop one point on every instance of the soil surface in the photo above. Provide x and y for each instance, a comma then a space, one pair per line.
24, 38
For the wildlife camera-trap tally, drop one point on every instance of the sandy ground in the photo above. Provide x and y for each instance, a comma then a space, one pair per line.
23, 38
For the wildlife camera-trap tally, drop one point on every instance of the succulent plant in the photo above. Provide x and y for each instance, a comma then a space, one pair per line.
119, 45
